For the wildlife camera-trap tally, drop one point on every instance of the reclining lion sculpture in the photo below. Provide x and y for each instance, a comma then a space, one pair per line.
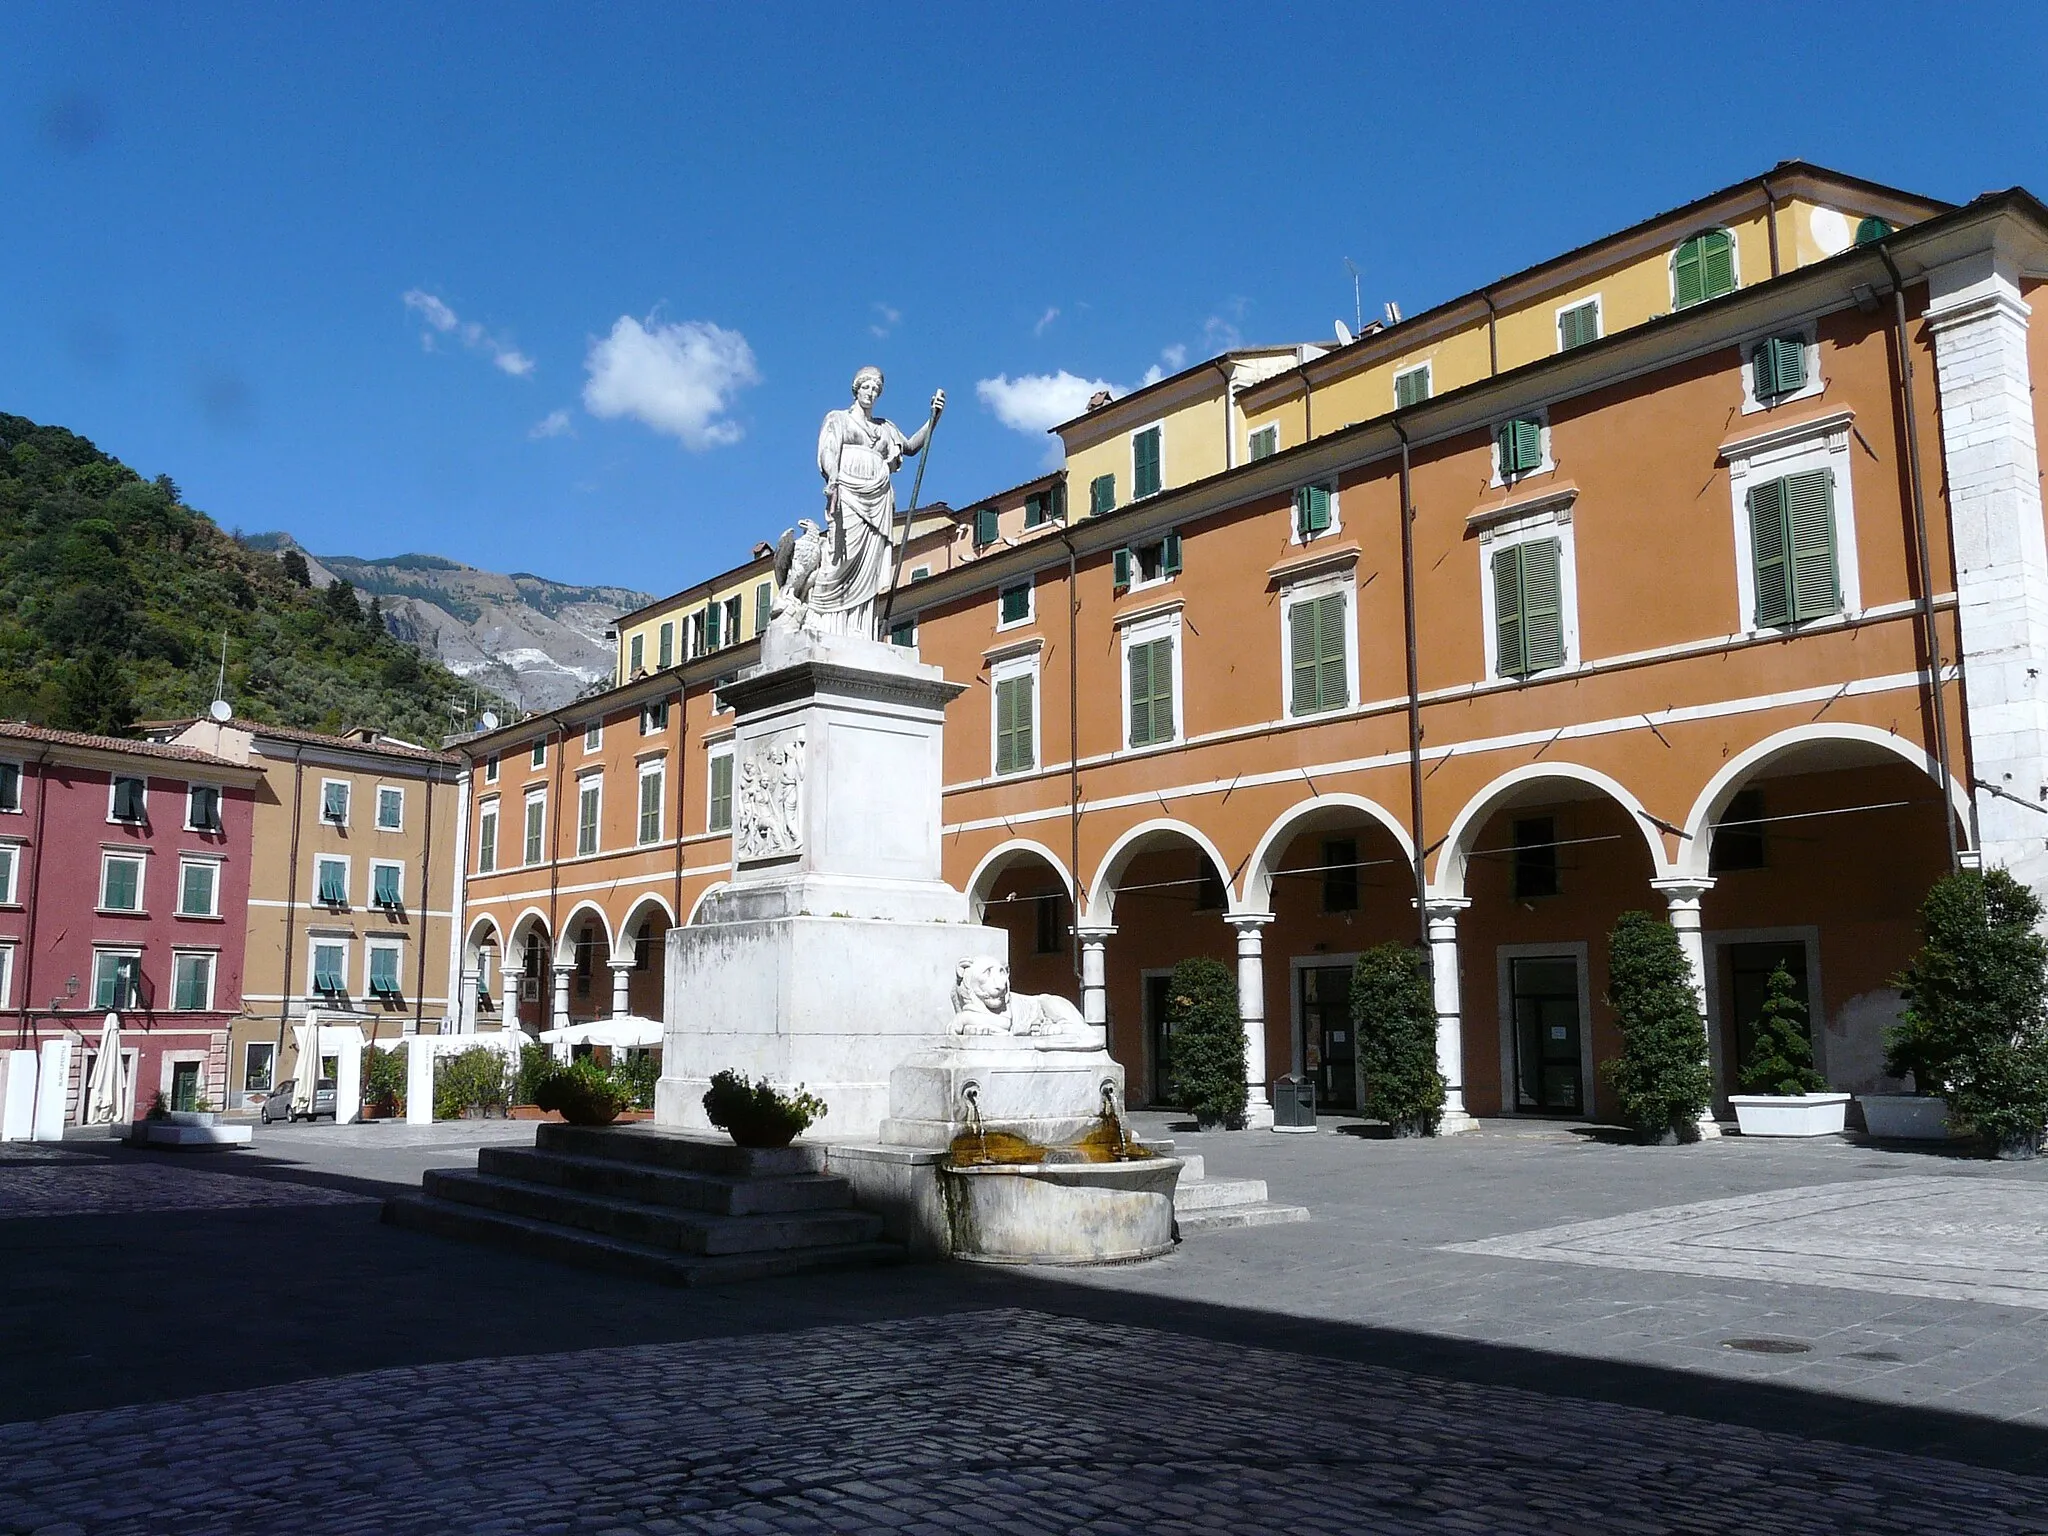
983, 1004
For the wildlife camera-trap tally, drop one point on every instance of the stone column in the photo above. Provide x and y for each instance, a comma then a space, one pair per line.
1442, 912
1991, 469
1251, 1007
1094, 980
560, 1015
622, 983
1682, 897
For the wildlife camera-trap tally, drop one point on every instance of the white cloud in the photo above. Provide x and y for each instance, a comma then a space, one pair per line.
885, 319
440, 318
679, 379
1034, 402
1175, 357
1221, 335
554, 424
1044, 320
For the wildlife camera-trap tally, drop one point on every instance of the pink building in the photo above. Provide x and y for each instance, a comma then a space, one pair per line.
124, 888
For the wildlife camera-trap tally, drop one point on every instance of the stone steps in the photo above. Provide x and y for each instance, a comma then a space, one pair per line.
1203, 1204
684, 1210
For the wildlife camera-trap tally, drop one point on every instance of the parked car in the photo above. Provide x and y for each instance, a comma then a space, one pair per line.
278, 1104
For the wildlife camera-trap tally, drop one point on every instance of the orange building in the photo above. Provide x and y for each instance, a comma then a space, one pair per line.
1702, 571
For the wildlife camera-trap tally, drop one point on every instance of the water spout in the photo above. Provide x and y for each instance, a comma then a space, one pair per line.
1113, 1109
972, 1094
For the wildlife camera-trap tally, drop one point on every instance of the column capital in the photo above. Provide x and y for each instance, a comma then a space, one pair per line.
1683, 890
1247, 922
565, 967
1095, 933
623, 965
1439, 909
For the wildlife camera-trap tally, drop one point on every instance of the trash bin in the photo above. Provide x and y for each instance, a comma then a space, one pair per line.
1294, 1104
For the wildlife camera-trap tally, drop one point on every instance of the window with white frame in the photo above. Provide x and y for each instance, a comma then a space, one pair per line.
390, 808
259, 1065
1138, 566
192, 980
1521, 447
1014, 603
654, 718
334, 798
1152, 678
10, 788
1315, 512
718, 808
1529, 589
6, 975
536, 826
593, 737
121, 882
330, 874
10, 873
1319, 644
734, 608
1148, 473
1263, 443
1014, 727
199, 888
383, 983
387, 885
202, 808
1578, 323
698, 637
487, 840
589, 810
1780, 368
1414, 385
127, 798
1795, 526
327, 968
1704, 267
652, 777
116, 978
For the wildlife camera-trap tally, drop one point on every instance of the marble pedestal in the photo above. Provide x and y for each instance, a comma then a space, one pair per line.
1050, 1098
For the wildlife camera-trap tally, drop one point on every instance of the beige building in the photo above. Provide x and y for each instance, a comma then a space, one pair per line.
353, 888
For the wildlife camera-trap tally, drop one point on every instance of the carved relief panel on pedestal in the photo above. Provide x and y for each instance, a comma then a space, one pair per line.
767, 810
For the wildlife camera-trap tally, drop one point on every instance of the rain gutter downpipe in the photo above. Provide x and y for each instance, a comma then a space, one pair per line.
291, 914
1941, 757
1492, 336
35, 887
1770, 219
1074, 745
1415, 822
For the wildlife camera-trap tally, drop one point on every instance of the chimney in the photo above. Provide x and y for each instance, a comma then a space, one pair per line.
1099, 399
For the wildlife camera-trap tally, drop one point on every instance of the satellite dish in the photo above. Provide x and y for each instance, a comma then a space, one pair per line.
221, 710
1344, 336
490, 720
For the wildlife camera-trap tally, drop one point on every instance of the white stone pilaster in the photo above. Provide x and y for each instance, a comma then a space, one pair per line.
1991, 469
1094, 978
1442, 912
1682, 898
1251, 1008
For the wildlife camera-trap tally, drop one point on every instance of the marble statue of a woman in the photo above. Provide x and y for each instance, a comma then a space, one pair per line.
857, 453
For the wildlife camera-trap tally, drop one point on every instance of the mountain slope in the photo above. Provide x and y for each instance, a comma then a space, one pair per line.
115, 595
537, 642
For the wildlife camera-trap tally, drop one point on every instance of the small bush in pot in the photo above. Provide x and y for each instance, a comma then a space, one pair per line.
1206, 1035
582, 1093
1975, 1029
1781, 1051
1660, 1081
384, 1079
759, 1114
1394, 1018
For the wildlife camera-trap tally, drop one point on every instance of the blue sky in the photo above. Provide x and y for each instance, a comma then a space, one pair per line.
567, 290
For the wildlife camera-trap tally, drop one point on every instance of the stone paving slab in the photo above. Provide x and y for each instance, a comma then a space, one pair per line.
55, 1183
1946, 1237
1006, 1420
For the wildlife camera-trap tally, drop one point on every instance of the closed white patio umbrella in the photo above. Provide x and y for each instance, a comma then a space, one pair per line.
628, 1029
104, 1090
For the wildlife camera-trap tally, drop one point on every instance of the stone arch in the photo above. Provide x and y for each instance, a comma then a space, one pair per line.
1296, 819
1003, 857
697, 906
565, 941
639, 912
1451, 862
1140, 839
1810, 739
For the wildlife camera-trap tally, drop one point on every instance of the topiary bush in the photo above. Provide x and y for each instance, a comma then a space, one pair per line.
1206, 1042
758, 1114
1975, 1028
582, 1093
1660, 1081
477, 1079
1394, 1018
1781, 1051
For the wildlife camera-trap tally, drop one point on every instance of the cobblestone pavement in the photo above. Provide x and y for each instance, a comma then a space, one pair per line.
1008, 1421
1957, 1239
48, 1182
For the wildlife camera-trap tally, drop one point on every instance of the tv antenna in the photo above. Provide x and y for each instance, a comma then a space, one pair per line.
1357, 309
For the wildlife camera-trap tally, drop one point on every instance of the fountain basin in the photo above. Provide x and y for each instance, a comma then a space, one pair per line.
1060, 1212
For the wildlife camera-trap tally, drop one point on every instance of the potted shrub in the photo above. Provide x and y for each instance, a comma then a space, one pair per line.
1781, 1094
583, 1093
1207, 1035
1974, 1035
1973, 1015
1660, 1081
383, 1083
759, 1114
1394, 1018
471, 1083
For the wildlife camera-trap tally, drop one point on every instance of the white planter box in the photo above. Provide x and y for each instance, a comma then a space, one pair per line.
1904, 1116
1804, 1114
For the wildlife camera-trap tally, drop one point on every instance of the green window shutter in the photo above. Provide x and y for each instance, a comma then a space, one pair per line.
1871, 230
1411, 388
1145, 478
1511, 657
197, 895
1333, 680
764, 599
119, 885
1521, 446
1577, 326
904, 633
636, 655
1810, 526
721, 793
668, 646
1123, 569
1717, 263
383, 970
1778, 367
1542, 606
192, 979
1151, 687
1305, 677
1057, 504
385, 890
1014, 746
1169, 554
650, 807
1312, 510
333, 884
1265, 443
1687, 286
487, 845
711, 626
986, 529
1139, 688
1034, 510
1016, 603
1773, 568
1101, 495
